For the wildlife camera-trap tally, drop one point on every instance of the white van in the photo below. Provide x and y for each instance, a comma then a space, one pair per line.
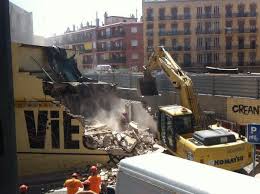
164, 174
103, 69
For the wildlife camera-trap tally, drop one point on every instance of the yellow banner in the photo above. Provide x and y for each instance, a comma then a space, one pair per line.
243, 110
88, 45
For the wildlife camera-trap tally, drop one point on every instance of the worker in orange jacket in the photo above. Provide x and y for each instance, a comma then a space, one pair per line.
73, 184
95, 180
86, 189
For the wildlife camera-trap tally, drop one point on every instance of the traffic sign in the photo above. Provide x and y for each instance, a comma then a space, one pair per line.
253, 133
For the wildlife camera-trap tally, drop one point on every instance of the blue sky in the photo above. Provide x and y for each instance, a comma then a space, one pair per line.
54, 16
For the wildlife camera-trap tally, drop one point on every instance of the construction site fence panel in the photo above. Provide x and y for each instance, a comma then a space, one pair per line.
226, 85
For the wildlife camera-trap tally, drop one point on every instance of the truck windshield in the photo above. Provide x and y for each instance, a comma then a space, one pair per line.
183, 124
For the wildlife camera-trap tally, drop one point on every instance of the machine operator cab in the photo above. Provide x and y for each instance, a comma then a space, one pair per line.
174, 121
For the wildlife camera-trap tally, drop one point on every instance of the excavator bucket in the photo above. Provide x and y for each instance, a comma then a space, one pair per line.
147, 85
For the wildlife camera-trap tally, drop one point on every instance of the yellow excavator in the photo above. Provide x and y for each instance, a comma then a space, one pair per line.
179, 127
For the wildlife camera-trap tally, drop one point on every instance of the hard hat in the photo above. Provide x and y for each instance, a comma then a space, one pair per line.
23, 188
74, 175
86, 182
93, 169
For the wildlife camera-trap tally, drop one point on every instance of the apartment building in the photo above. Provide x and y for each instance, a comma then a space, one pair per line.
118, 42
218, 33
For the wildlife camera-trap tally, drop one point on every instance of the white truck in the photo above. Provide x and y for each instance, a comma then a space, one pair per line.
165, 174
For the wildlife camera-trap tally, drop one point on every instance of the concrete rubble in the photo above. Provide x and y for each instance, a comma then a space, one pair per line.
133, 141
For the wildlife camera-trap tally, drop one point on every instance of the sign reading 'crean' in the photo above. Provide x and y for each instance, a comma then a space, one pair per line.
245, 109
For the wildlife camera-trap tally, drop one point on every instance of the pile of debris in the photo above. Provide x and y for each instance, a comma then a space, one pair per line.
133, 141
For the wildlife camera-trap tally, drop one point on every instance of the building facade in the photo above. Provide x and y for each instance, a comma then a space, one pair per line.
21, 24
199, 33
118, 42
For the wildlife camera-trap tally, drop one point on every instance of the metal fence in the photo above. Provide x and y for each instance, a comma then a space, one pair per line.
226, 85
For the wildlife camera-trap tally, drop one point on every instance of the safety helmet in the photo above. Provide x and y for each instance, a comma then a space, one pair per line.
93, 169
23, 188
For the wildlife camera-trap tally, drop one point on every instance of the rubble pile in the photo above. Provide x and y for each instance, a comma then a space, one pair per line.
133, 141
108, 176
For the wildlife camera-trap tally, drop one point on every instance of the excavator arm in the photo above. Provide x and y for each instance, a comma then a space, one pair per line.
161, 59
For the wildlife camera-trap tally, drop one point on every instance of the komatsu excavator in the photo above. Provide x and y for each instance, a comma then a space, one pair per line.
179, 127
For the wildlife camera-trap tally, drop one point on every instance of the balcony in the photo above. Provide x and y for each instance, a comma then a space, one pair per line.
149, 49
206, 16
112, 35
101, 49
149, 33
175, 17
244, 14
187, 48
117, 48
149, 18
241, 30
113, 60
187, 32
200, 31
208, 48
170, 33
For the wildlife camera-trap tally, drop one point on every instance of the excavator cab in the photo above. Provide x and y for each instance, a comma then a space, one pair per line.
147, 85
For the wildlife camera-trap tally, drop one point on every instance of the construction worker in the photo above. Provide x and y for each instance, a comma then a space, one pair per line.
73, 184
86, 189
23, 189
94, 179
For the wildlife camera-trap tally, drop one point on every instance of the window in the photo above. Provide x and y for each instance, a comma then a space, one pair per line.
208, 43
149, 12
186, 28
134, 43
199, 11
253, 42
162, 28
174, 28
187, 44
240, 58
240, 42
175, 57
252, 25
162, 42
150, 42
134, 29
252, 58
228, 42
229, 59
199, 43
187, 59
162, 119
174, 12
149, 26
174, 44
186, 12
183, 124
207, 26
216, 11
135, 56
229, 24
229, 10
241, 24
162, 13
216, 58
241, 9
216, 42
208, 11
253, 9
